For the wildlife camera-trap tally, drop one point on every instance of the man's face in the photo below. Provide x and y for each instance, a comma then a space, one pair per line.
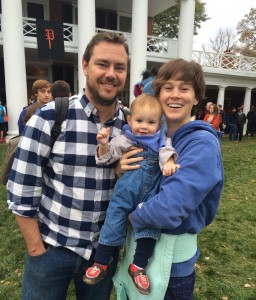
105, 73
44, 95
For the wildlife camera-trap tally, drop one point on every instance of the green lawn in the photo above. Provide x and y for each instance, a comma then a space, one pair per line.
226, 269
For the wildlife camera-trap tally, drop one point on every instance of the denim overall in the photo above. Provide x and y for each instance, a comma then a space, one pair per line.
133, 188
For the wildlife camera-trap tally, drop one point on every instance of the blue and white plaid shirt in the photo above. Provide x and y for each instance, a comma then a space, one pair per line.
62, 186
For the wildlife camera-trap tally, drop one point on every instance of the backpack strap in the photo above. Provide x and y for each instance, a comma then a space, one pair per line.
61, 110
125, 113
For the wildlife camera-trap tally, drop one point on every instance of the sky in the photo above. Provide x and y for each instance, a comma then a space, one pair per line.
224, 14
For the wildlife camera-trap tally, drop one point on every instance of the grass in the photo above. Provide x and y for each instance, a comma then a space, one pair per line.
226, 269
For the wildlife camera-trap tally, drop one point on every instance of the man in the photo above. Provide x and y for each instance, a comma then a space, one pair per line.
59, 197
233, 125
241, 120
41, 89
251, 117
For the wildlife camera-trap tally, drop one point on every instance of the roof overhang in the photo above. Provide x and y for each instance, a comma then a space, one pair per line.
154, 6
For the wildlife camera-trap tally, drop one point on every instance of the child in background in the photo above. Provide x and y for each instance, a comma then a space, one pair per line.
134, 187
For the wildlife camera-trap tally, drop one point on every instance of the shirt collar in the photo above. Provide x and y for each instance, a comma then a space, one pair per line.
90, 109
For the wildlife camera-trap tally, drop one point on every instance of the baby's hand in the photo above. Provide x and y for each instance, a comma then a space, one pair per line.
103, 135
170, 168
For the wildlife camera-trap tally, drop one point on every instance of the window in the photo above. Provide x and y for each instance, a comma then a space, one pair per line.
125, 23
35, 10
106, 19
67, 13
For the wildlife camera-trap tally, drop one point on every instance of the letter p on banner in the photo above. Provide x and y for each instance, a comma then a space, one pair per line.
50, 40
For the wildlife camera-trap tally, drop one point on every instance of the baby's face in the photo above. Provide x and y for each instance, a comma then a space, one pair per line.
145, 121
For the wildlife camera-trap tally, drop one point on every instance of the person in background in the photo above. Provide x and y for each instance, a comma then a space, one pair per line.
226, 130
223, 117
133, 188
251, 117
207, 107
2, 125
124, 105
6, 120
145, 85
62, 197
13, 144
213, 117
41, 89
200, 114
241, 120
189, 199
233, 125
60, 88
31, 111
31, 99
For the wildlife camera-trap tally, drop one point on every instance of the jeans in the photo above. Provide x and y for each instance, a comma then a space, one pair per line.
47, 277
133, 188
240, 131
250, 128
232, 132
181, 288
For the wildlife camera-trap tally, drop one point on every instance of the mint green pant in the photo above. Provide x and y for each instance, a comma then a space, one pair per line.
169, 249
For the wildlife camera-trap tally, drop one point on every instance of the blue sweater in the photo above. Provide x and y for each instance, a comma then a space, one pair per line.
188, 200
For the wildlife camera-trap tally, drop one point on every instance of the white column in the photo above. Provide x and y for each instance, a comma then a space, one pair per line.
247, 100
139, 42
186, 29
247, 103
86, 30
14, 62
221, 94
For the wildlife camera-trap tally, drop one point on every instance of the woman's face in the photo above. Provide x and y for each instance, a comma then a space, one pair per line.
177, 99
211, 109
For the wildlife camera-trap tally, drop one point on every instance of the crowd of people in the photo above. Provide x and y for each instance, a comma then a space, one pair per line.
231, 122
72, 201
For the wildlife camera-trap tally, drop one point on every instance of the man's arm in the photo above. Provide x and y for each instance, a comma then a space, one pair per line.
31, 234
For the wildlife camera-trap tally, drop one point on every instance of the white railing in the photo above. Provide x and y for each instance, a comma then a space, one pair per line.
158, 48
29, 29
225, 61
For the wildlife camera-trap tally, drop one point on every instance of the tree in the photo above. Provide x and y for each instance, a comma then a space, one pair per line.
166, 24
224, 39
246, 28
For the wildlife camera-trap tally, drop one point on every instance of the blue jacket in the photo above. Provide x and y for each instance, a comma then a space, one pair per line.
2, 114
20, 121
189, 199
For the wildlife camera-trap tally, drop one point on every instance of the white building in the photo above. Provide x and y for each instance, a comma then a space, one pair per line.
230, 79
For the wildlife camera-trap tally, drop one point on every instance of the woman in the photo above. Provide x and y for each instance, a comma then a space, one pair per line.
188, 200
213, 117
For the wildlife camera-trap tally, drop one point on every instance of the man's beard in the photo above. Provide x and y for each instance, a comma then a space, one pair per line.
97, 98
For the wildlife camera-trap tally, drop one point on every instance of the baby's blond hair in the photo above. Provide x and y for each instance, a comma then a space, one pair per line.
145, 100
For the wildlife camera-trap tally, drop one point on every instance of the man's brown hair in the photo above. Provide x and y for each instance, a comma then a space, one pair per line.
40, 84
60, 88
109, 37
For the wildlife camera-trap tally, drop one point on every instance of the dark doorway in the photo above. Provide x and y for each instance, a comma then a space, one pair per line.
65, 73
